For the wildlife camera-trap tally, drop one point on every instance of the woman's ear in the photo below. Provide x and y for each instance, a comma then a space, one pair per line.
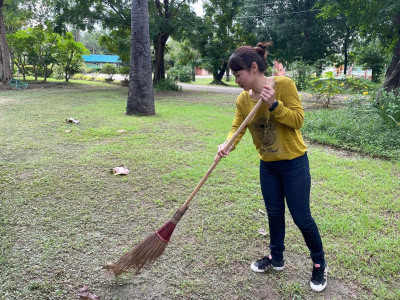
254, 67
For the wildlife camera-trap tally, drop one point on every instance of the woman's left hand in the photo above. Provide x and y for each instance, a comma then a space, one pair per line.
268, 95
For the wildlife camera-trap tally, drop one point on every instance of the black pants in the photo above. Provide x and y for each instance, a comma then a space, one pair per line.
289, 179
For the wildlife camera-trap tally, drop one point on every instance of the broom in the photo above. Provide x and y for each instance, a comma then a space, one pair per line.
151, 248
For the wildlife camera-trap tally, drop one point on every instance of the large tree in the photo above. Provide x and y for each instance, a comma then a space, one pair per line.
218, 35
5, 66
140, 96
292, 25
14, 14
376, 18
69, 55
168, 18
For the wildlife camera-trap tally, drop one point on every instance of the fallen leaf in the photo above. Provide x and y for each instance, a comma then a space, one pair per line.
72, 120
85, 294
262, 231
121, 131
261, 211
121, 170
68, 131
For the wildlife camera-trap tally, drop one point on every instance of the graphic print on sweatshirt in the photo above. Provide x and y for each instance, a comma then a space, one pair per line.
265, 131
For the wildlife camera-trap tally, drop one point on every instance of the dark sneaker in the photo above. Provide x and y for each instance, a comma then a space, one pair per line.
319, 277
265, 264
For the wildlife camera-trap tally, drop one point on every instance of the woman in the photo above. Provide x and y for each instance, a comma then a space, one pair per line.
284, 167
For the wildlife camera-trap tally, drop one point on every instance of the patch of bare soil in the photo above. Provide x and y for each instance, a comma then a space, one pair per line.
310, 103
5, 87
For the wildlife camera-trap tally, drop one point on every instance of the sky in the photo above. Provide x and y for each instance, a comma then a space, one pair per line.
198, 7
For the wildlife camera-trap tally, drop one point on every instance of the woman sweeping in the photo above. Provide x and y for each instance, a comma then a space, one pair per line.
284, 167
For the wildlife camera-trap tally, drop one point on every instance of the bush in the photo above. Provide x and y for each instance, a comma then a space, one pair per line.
88, 77
387, 105
301, 74
167, 85
325, 89
100, 79
352, 84
109, 69
58, 72
181, 73
124, 71
77, 76
356, 128
90, 68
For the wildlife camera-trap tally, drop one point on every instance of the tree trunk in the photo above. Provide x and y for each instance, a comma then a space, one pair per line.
45, 73
227, 77
345, 49
218, 75
140, 94
159, 65
5, 66
392, 77
36, 71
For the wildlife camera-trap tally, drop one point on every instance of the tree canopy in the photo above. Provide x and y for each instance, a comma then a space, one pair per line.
292, 25
167, 18
380, 19
218, 35
307, 30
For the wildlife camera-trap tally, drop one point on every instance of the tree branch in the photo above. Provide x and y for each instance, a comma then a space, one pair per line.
110, 5
158, 5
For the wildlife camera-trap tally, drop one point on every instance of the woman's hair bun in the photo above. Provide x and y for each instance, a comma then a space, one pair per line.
261, 48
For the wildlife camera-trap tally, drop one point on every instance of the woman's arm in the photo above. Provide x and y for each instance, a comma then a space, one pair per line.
289, 110
237, 121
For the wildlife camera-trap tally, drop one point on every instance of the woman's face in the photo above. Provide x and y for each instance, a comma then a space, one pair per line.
244, 79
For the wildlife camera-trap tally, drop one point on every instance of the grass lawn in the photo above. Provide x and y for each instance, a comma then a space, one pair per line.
63, 214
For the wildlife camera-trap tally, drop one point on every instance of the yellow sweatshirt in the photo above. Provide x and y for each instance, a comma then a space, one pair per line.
276, 134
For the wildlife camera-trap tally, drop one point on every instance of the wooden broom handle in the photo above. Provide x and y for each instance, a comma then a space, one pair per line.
228, 145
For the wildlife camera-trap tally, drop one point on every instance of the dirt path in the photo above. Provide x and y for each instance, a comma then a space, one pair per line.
211, 88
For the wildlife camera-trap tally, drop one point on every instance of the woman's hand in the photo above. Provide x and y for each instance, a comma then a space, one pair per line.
222, 152
268, 95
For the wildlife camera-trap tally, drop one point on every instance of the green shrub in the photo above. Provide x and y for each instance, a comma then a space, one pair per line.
109, 69
167, 85
90, 68
357, 128
387, 105
356, 85
181, 73
100, 79
325, 89
77, 76
124, 71
301, 74
58, 72
88, 77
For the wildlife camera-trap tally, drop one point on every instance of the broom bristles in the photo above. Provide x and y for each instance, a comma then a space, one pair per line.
147, 251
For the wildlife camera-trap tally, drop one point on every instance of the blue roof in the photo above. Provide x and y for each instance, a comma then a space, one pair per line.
94, 58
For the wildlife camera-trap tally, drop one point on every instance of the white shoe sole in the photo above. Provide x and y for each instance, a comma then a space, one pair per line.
318, 288
255, 269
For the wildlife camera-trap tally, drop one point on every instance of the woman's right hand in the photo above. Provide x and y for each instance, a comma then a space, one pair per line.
222, 152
